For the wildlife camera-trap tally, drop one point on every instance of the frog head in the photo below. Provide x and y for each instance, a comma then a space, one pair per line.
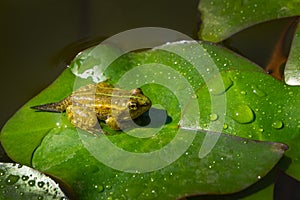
138, 103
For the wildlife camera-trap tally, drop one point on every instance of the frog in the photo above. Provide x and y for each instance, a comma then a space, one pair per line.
100, 101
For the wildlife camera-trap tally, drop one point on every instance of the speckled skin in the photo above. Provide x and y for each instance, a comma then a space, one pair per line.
100, 101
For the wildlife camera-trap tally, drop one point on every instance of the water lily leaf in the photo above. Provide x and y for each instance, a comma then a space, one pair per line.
221, 19
292, 69
181, 151
22, 182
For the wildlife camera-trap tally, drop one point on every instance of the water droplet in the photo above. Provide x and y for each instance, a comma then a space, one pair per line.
40, 198
213, 117
243, 114
25, 178
12, 179
277, 124
258, 92
31, 182
243, 92
225, 126
2, 172
108, 187
217, 87
99, 188
258, 177
261, 130
40, 184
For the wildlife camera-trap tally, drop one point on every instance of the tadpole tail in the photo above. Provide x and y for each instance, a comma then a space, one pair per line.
52, 107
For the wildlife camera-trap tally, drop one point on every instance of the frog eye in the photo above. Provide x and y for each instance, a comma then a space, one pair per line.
132, 106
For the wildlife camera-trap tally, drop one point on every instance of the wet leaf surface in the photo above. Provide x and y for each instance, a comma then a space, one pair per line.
184, 152
22, 182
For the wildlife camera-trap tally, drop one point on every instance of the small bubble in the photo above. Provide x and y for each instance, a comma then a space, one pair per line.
2, 172
213, 117
258, 177
277, 124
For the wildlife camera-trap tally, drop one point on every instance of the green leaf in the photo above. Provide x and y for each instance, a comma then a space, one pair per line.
292, 68
178, 153
22, 182
221, 19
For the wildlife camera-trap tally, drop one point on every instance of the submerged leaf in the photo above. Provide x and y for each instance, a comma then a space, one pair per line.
22, 182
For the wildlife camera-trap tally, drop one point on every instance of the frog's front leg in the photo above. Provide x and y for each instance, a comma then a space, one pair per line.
83, 118
112, 123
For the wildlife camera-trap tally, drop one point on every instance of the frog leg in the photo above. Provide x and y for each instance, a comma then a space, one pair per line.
83, 118
112, 123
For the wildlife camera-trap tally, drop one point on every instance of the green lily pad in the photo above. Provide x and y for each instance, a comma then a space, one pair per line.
221, 19
197, 91
22, 182
292, 69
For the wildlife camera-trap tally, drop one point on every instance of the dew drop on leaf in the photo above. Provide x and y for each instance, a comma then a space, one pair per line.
40, 184
213, 117
258, 92
31, 183
225, 126
108, 187
2, 172
277, 124
243, 114
99, 188
25, 178
243, 92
